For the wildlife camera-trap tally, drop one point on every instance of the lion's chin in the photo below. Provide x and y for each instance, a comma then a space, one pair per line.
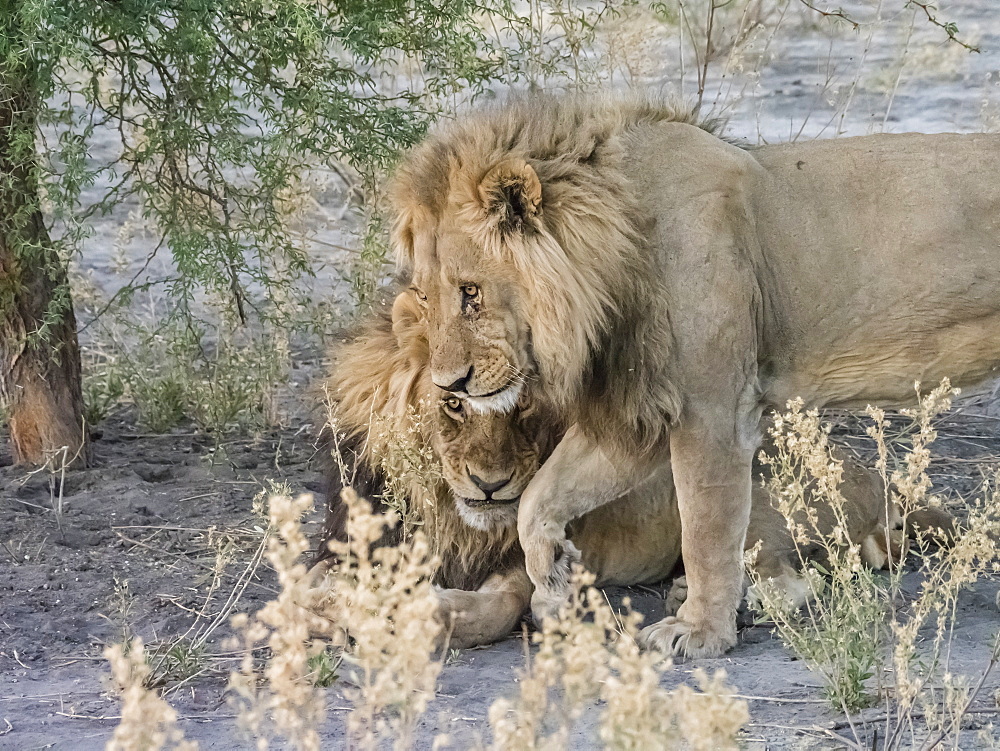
488, 517
499, 402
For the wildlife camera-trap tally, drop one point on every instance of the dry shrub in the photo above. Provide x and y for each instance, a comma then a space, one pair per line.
846, 609
377, 606
384, 599
871, 643
409, 465
588, 654
397, 445
381, 598
147, 723
285, 624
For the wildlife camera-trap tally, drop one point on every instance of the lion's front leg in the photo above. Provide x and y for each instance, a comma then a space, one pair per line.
469, 619
712, 473
577, 478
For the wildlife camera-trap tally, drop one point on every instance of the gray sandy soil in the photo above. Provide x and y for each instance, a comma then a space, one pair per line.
144, 514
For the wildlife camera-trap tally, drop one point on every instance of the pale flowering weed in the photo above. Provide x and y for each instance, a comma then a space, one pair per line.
873, 643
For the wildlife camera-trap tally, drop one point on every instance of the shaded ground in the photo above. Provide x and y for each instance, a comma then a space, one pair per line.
152, 513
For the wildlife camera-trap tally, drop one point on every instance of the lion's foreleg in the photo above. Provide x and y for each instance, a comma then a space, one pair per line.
579, 477
712, 475
487, 615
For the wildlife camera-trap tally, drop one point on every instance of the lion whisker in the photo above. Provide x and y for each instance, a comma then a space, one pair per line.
520, 375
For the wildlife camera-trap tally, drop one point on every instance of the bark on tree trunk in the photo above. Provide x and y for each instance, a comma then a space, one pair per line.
40, 380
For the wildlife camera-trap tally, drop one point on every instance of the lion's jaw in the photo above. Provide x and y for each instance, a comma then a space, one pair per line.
487, 517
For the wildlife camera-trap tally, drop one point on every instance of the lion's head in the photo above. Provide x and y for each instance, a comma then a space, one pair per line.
486, 458
521, 230
386, 401
482, 349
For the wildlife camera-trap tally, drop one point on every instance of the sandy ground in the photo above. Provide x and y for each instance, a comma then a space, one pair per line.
145, 513
153, 509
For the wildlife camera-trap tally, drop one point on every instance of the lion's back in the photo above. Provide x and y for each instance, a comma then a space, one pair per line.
882, 264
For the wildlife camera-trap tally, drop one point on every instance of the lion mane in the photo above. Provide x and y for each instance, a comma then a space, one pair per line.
591, 289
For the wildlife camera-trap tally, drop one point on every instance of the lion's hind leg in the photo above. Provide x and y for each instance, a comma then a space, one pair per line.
887, 545
933, 524
776, 577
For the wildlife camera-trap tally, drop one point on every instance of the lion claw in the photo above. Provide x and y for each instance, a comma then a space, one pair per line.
679, 638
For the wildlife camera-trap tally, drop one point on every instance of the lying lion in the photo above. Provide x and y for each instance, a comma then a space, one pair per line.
660, 288
381, 378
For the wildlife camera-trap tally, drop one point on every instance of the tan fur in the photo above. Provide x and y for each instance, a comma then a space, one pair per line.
658, 288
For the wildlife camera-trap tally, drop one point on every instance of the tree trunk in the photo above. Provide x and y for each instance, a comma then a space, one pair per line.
40, 382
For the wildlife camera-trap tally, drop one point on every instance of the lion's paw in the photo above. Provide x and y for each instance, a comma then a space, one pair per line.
674, 636
676, 595
449, 604
553, 589
447, 613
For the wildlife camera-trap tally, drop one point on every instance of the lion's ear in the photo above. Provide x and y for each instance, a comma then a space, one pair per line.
511, 194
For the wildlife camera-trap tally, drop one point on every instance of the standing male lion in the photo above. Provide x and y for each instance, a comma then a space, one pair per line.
659, 287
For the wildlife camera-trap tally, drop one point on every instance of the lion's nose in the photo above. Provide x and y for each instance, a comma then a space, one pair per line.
459, 384
488, 487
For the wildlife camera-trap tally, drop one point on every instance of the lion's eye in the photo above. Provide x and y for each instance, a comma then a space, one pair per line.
420, 295
453, 404
470, 290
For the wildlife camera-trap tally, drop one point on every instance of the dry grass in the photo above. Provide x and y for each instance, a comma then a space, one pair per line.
376, 609
147, 722
589, 654
398, 445
385, 602
377, 612
288, 698
871, 642
369, 627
